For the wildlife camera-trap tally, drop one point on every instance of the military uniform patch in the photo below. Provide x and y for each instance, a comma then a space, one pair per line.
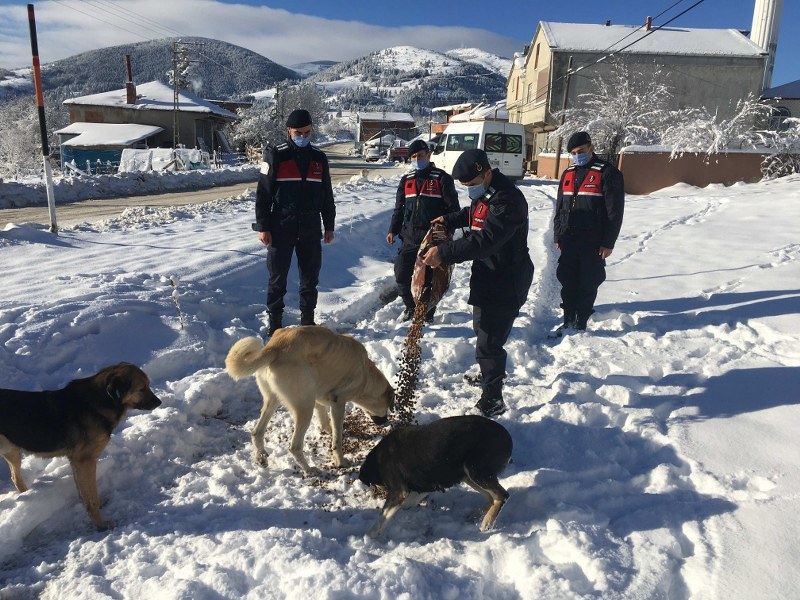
497, 209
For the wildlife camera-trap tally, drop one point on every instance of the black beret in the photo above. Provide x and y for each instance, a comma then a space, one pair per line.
470, 164
579, 138
416, 146
298, 118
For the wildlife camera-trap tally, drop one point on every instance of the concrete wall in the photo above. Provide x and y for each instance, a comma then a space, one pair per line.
646, 172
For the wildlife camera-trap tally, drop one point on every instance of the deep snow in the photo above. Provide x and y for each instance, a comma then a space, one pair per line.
654, 457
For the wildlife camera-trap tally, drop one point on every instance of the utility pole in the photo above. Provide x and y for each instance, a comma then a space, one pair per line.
180, 62
37, 80
556, 174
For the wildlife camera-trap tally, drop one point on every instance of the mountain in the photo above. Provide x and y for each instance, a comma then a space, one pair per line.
401, 78
412, 79
312, 68
223, 70
484, 59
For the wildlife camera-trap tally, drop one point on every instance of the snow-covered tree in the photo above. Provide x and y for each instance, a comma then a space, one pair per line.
20, 138
626, 107
786, 157
697, 130
264, 123
20, 145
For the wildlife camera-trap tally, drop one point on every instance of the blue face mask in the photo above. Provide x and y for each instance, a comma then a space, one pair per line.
301, 141
476, 191
420, 163
581, 158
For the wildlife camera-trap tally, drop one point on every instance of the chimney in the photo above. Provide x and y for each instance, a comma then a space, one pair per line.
608, 23
130, 88
764, 33
648, 23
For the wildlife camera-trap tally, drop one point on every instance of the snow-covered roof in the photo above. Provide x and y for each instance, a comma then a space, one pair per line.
153, 95
453, 107
385, 116
482, 112
585, 37
114, 135
789, 90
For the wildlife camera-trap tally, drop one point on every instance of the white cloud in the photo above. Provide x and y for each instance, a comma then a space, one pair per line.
69, 27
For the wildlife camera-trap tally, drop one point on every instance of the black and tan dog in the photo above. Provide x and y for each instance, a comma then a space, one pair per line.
412, 461
75, 422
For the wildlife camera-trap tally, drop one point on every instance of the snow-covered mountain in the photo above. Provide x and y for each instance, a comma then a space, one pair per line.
481, 57
402, 77
307, 69
412, 79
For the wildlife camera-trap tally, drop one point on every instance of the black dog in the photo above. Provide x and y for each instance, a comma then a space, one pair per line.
426, 458
75, 422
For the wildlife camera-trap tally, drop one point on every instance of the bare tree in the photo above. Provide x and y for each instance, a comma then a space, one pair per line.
627, 107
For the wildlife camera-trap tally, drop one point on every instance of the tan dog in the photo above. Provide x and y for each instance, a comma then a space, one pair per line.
310, 369
75, 422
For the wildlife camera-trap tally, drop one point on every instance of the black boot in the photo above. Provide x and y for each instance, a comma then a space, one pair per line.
491, 404
408, 314
275, 322
307, 317
429, 314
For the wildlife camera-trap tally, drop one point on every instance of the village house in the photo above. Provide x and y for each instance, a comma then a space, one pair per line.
785, 101
370, 124
199, 122
714, 68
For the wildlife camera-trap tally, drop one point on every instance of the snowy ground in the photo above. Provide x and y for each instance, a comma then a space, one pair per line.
69, 188
655, 457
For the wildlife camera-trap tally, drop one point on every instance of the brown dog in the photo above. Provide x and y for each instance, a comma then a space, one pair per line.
310, 369
75, 422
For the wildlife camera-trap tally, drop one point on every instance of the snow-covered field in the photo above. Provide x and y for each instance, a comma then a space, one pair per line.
654, 457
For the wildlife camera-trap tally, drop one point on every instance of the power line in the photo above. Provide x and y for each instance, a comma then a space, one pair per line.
607, 55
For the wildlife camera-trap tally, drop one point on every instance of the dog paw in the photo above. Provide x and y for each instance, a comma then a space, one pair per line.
261, 459
342, 463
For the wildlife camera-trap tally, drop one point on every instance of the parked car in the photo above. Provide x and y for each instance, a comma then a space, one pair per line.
372, 153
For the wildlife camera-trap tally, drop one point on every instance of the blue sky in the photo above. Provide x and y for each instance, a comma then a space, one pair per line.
290, 32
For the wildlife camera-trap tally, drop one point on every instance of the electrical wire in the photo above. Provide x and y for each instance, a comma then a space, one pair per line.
607, 55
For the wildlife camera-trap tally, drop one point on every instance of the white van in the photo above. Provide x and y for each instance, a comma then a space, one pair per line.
503, 142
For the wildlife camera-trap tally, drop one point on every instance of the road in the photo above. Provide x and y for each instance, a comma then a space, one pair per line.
343, 167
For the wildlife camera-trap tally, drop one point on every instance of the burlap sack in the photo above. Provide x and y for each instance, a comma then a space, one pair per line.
427, 284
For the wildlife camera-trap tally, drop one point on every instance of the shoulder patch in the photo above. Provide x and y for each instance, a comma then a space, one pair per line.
497, 209
282, 146
265, 168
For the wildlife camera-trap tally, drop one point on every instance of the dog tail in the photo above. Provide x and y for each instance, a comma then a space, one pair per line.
246, 357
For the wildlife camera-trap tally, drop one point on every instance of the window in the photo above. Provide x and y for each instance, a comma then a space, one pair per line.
500, 142
777, 121
536, 57
462, 141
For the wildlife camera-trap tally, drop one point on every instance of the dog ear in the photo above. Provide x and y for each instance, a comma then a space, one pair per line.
117, 387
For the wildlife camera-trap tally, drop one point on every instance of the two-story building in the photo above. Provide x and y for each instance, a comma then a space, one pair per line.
713, 68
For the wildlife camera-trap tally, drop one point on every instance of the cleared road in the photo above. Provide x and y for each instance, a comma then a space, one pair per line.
343, 167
